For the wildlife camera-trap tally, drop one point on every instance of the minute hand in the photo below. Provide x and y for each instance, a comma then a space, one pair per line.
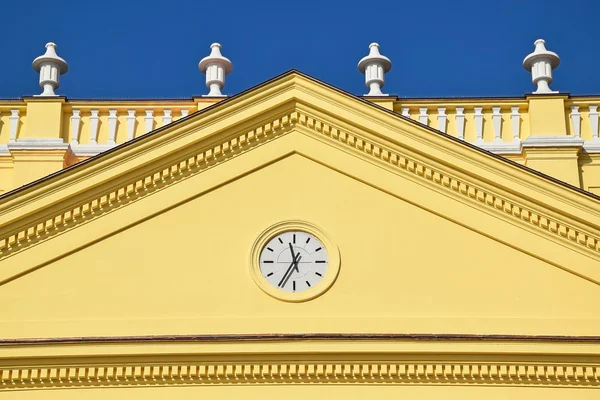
288, 273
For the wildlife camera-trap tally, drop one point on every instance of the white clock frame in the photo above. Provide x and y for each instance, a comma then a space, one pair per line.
333, 267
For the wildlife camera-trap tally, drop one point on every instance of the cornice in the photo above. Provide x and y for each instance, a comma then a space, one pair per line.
132, 374
48, 225
256, 362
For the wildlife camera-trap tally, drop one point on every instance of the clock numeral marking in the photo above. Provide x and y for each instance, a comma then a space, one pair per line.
307, 240
270, 249
269, 274
268, 262
320, 261
294, 285
318, 249
294, 241
280, 241
316, 273
308, 283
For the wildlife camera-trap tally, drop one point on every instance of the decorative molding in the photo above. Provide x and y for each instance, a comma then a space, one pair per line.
149, 120
442, 119
516, 122
576, 121
500, 147
4, 151
89, 150
460, 122
48, 225
75, 123
14, 125
112, 126
94, 119
38, 144
130, 124
455, 371
553, 141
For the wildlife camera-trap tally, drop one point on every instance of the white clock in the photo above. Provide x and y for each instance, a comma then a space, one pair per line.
294, 261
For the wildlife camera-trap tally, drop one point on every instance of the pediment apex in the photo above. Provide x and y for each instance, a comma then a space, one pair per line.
296, 102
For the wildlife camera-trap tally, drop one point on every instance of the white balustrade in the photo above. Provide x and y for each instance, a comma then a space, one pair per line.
478, 117
94, 127
515, 118
167, 118
497, 123
593, 115
130, 124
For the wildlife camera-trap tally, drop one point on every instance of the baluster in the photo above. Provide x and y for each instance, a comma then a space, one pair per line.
576, 121
112, 126
184, 113
149, 120
130, 124
442, 118
516, 122
478, 124
14, 125
594, 121
423, 117
167, 118
497, 122
460, 122
75, 124
94, 127
406, 112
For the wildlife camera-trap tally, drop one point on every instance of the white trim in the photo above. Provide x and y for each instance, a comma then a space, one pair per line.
89, 150
4, 151
406, 112
38, 144
553, 141
184, 113
499, 147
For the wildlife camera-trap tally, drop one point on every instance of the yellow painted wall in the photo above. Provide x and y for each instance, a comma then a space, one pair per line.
404, 269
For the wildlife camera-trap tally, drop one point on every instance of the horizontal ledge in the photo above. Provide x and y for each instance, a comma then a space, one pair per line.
299, 336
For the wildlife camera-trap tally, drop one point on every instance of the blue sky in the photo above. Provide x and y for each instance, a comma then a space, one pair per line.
152, 48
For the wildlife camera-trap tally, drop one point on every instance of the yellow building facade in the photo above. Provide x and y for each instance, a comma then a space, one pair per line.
296, 240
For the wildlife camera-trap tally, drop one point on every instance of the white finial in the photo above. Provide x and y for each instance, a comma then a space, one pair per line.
215, 66
51, 67
374, 66
541, 63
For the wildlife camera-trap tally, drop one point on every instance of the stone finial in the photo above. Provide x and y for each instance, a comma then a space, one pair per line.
51, 67
374, 66
215, 66
541, 63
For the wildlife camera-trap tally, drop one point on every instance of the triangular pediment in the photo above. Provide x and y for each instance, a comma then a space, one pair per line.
295, 117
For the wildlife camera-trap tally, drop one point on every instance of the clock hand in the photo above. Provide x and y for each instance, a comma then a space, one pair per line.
281, 283
290, 270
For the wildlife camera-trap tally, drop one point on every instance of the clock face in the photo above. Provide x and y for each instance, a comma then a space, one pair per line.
293, 261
